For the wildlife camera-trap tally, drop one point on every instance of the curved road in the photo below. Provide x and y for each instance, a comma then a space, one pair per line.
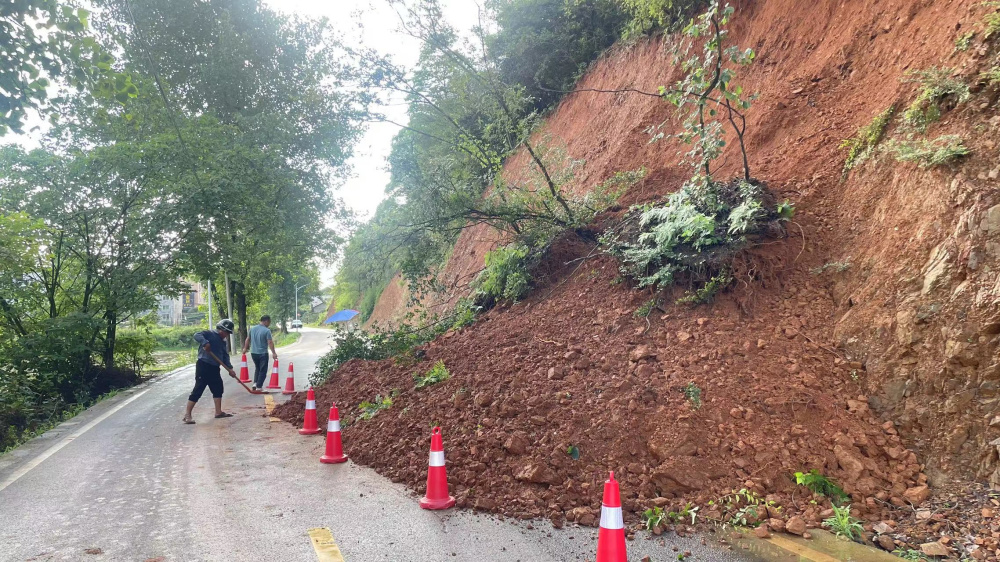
126, 480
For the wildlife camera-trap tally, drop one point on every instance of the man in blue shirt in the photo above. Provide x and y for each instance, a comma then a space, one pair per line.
207, 370
258, 341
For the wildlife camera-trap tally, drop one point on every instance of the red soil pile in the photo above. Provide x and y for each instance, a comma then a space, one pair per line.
573, 366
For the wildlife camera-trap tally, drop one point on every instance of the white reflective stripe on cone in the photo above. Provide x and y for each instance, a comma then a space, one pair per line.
310, 404
611, 518
333, 425
437, 458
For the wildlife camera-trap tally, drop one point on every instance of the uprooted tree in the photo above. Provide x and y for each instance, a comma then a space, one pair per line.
695, 234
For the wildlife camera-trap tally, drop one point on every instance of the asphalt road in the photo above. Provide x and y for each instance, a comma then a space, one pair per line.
127, 481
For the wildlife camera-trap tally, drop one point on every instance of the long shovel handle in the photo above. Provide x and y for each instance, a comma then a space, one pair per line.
236, 379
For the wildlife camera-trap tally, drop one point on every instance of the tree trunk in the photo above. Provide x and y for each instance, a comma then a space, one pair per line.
110, 335
12, 317
240, 294
220, 304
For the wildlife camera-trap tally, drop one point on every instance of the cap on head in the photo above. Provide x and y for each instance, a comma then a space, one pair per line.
227, 325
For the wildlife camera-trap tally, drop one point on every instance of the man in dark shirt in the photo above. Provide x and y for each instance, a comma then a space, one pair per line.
207, 370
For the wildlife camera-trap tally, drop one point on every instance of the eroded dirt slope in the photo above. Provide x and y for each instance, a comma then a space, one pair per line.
798, 371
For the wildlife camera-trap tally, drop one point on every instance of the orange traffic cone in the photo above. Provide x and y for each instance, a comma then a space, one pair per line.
290, 381
244, 371
611, 537
274, 376
334, 448
309, 426
437, 480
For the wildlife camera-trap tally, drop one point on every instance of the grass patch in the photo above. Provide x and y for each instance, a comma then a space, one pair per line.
819, 484
169, 359
437, 373
706, 293
991, 24
910, 554
65, 415
990, 76
289, 338
693, 394
935, 84
370, 409
930, 153
862, 145
843, 525
964, 41
646, 309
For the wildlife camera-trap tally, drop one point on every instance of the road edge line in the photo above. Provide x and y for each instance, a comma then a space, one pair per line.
65, 441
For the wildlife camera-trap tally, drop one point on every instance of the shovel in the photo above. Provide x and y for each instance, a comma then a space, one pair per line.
251, 391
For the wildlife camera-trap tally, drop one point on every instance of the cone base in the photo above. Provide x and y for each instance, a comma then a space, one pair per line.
427, 503
333, 460
274, 387
288, 392
611, 545
245, 380
305, 431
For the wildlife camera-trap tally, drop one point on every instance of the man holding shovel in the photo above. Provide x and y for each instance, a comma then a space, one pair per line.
212, 356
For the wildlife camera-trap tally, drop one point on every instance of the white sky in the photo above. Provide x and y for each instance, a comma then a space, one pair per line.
374, 24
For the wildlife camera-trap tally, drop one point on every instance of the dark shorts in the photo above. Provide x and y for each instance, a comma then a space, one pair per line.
208, 375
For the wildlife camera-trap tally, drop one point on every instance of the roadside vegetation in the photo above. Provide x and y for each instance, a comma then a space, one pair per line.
164, 159
938, 91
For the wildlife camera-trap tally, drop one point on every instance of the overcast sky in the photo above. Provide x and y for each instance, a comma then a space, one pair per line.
378, 29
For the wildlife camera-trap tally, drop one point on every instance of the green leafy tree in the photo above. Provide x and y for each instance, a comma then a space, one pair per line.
545, 45
45, 40
276, 126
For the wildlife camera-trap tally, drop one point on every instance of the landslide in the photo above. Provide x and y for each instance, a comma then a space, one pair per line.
577, 368
881, 375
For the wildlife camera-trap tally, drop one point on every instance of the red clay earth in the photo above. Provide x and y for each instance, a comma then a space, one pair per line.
792, 368
573, 366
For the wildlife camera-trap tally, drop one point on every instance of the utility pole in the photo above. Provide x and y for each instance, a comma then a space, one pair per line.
229, 306
210, 325
297, 300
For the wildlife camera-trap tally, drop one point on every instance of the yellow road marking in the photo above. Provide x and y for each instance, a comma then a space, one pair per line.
803, 551
269, 406
326, 549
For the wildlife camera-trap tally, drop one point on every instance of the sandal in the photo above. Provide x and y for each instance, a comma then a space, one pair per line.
223, 415
187, 421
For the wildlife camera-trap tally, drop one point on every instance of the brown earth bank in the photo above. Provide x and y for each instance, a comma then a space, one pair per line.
882, 376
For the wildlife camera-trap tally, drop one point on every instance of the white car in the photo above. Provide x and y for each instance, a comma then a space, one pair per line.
296, 323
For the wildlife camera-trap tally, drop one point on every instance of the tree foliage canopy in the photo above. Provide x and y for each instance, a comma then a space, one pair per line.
217, 162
